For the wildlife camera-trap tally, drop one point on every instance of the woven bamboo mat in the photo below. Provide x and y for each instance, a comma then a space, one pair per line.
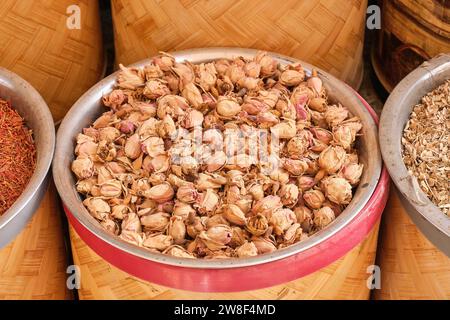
411, 267
326, 33
33, 266
36, 44
344, 279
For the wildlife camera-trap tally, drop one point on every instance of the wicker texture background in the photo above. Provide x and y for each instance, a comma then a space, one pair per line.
344, 279
33, 266
36, 44
326, 33
411, 267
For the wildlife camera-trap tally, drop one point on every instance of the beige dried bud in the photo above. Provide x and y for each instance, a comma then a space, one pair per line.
85, 186
133, 147
131, 223
149, 128
293, 234
110, 226
314, 198
267, 205
289, 194
177, 229
305, 183
332, 159
343, 136
254, 106
182, 209
207, 202
285, 129
179, 252
298, 145
192, 95
257, 225
352, 172
108, 134
227, 107
120, 211
239, 237
323, 217
166, 127
130, 78
111, 189
114, 99
318, 104
248, 249
291, 77
132, 237
160, 193
304, 217
335, 115
337, 190
257, 191
252, 69
295, 167
155, 222
192, 118
153, 146
263, 245
315, 83
164, 61
155, 88
216, 237
281, 220
268, 64
322, 135
187, 193
171, 105
97, 207
267, 120
86, 149
83, 168
214, 220
234, 215
158, 241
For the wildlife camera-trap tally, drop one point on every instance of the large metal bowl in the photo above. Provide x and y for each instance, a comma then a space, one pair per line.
30, 105
89, 107
428, 218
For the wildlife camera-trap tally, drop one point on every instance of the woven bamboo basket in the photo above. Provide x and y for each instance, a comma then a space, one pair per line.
33, 266
413, 31
344, 279
326, 33
411, 267
61, 63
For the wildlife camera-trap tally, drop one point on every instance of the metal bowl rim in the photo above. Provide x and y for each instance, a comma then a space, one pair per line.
80, 213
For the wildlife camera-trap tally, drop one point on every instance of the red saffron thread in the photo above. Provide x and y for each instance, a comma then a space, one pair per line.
17, 155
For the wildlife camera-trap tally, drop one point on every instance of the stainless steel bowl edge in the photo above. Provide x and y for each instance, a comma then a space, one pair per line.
89, 106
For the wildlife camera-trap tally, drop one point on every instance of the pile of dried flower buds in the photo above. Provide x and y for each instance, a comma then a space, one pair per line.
166, 167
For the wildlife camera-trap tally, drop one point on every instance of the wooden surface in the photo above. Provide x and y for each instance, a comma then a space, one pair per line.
33, 266
344, 279
411, 267
59, 62
412, 32
326, 33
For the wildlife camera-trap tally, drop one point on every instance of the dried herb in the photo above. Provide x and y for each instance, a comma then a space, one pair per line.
17, 155
426, 141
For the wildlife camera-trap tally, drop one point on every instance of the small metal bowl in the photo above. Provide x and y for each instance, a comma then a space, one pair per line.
30, 105
89, 107
396, 112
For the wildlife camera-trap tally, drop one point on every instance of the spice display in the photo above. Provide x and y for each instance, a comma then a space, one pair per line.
232, 158
426, 141
17, 155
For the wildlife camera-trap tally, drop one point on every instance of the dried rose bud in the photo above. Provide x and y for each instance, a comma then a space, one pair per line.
126, 126
108, 134
248, 249
332, 158
129, 78
216, 161
120, 211
83, 168
267, 205
106, 151
289, 194
158, 241
133, 147
155, 88
338, 190
291, 77
253, 106
227, 107
252, 69
281, 220
110, 226
166, 127
295, 167
215, 220
343, 136
160, 193
155, 222
187, 193
352, 172
305, 183
206, 202
206, 75
164, 61
85, 186
268, 64
299, 144
280, 175
322, 135
257, 191
195, 226
114, 99
86, 149
179, 252
285, 129
263, 245
267, 120
318, 104
323, 217
97, 207
153, 146
304, 217
239, 237
182, 209
314, 198
293, 234
177, 229
234, 215
192, 118
192, 95
315, 83
217, 237
111, 189
131, 223
132, 237
257, 225
335, 115
249, 83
